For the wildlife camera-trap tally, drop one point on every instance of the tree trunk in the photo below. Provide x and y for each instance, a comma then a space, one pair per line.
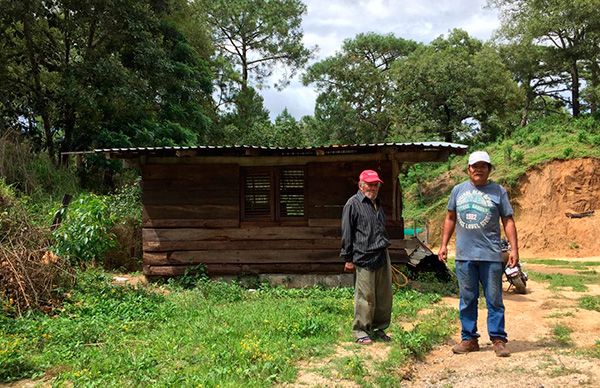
40, 101
595, 81
575, 89
68, 111
529, 96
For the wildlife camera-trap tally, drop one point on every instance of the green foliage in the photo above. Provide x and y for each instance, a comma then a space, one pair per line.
353, 367
427, 282
33, 173
255, 36
431, 331
215, 333
575, 282
562, 335
355, 99
125, 203
81, 75
454, 79
427, 186
568, 263
85, 233
590, 302
565, 31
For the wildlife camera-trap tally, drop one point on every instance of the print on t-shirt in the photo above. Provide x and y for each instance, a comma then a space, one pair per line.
473, 209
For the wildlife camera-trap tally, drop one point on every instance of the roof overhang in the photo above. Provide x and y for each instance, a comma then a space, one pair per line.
409, 152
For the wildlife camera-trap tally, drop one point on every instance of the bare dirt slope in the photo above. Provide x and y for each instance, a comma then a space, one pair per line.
544, 197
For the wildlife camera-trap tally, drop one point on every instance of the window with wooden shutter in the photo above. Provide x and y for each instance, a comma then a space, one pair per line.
257, 195
273, 193
291, 192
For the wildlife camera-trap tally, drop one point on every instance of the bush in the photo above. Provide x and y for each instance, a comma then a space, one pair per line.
33, 173
30, 276
85, 233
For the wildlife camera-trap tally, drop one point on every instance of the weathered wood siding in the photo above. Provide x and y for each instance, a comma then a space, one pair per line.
192, 216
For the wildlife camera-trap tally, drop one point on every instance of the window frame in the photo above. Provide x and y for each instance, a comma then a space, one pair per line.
275, 175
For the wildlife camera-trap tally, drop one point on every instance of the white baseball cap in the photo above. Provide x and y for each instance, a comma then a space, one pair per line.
479, 156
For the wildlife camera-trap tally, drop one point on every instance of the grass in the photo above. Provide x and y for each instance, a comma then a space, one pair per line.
581, 265
590, 302
206, 334
547, 139
562, 335
575, 282
561, 314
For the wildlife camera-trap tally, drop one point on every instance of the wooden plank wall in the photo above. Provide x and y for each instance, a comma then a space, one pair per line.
192, 216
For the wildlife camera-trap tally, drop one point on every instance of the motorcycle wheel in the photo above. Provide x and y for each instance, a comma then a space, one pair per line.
520, 285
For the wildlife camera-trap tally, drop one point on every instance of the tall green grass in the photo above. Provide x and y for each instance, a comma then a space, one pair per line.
214, 334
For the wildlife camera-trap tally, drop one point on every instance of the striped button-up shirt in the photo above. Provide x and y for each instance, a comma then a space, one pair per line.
364, 237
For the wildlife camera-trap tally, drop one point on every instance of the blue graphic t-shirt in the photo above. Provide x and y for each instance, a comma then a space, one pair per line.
478, 211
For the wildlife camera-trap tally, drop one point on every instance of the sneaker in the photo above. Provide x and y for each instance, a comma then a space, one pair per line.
499, 347
466, 346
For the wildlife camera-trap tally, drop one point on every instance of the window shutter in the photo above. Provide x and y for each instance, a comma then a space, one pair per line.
257, 195
291, 193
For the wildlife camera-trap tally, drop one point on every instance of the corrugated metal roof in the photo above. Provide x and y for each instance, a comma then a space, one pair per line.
252, 150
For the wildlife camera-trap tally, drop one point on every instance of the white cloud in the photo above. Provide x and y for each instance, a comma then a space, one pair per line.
327, 24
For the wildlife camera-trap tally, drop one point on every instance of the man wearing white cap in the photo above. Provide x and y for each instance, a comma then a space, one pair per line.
475, 208
364, 250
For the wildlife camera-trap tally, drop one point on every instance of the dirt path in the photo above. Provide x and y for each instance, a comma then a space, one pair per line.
537, 360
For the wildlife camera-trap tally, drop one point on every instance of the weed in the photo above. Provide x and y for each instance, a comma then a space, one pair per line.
561, 314
428, 283
353, 367
590, 302
594, 351
575, 282
562, 335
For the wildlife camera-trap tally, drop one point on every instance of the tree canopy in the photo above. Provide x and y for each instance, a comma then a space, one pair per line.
356, 90
116, 73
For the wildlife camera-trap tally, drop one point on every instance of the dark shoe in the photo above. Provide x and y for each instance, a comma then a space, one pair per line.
466, 346
380, 335
366, 340
499, 347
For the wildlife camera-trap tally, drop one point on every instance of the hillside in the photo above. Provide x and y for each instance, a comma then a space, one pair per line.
546, 193
550, 168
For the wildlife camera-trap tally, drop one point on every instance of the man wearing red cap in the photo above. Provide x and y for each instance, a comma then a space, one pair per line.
364, 249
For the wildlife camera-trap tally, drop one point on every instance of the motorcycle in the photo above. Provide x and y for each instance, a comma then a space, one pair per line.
515, 276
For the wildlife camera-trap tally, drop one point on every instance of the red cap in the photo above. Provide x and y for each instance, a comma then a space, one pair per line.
369, 176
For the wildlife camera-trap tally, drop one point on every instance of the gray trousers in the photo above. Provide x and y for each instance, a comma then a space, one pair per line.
372, 299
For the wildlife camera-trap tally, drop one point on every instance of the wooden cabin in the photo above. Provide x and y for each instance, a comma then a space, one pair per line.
255, 210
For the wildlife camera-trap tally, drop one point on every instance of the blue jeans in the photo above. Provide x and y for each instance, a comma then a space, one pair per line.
489, 274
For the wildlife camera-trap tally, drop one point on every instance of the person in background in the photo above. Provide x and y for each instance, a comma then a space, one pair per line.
475, 209
364, 250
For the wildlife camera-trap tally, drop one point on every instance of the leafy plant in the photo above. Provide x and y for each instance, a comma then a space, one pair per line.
562, 334
85, 233
590, 302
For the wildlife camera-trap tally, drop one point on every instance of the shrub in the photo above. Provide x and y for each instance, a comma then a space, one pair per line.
30, 276
85, 233
33, 173
568, 152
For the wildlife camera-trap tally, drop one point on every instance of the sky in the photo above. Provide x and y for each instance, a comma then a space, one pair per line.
328, 23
